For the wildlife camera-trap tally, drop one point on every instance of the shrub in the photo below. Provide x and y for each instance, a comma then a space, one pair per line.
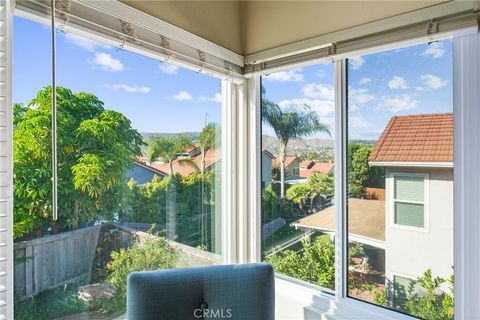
153, 253
315, 263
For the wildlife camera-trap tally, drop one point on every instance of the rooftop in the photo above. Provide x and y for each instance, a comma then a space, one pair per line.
322, 167
416, 138
366, 221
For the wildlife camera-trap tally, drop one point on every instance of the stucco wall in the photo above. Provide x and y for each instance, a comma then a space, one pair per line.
411, 253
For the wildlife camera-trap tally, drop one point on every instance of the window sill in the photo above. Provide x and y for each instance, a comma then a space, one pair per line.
297, 300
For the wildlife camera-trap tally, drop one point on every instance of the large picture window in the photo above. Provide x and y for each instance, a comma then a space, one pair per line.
400, 179
298, 212
138, 181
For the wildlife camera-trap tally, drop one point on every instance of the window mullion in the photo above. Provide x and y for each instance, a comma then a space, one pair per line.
340, 76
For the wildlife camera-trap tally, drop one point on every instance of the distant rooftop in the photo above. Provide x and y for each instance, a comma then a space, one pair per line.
416, 139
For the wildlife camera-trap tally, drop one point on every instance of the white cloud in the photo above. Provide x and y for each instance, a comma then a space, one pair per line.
127, 88
356, 62
318, 91
397, 103
397, 83
182, 96
433, 82
365, 81
168, 68
84, 43
435, 50
358, 122
321, 107
321, 73
359, 96
217, 97
106, 62
293, 75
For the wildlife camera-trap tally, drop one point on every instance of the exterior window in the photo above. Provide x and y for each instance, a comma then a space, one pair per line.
298, 220
138, 180
399, 169
409, 201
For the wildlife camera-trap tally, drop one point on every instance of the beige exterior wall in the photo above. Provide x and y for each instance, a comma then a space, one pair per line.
411, 253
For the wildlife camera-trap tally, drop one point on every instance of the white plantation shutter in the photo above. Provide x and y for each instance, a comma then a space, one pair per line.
6, 175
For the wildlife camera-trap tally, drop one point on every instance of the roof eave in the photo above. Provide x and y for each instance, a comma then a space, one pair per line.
411, 164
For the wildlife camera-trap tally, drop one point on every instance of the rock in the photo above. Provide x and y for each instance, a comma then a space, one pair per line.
97, 291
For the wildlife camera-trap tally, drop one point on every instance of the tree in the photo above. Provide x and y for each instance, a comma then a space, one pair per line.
290, 125
95, 150
360, 173
168, 148
317, 185
208, 140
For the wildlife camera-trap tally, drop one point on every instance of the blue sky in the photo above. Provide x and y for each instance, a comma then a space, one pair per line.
410, 80
158, 97
155, 96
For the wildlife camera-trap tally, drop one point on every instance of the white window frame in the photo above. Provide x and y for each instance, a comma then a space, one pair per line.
426, 201
246, 245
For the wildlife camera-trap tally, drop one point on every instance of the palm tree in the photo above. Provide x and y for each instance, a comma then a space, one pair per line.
168, 148
289, 125
207, 141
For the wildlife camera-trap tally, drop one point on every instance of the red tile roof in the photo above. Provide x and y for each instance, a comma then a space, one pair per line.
184, 169
416, 138
322, 167
288, 161
307, 164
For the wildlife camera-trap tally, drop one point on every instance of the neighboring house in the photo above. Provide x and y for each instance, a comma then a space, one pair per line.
267, 159
417, 153
308, 168
143, 173
184, 168
292, 166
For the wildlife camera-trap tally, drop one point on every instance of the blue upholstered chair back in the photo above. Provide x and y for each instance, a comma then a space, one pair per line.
239, 292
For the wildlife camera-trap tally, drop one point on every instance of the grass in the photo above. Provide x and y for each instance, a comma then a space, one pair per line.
51, 304
283, 234
61, 302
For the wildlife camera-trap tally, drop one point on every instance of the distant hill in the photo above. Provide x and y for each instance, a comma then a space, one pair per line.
271, 143
149, 135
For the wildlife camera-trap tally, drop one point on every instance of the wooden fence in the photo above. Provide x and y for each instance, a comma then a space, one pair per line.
81, 256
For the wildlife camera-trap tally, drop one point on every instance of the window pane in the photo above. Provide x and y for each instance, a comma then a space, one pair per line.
409, 188
298, 216
409, 214
400, 131
139, 170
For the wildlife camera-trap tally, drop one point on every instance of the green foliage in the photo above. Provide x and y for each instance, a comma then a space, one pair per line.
360, 174
316, 185
49, 305
271, 207
95, 150
427, 303
154, 253
315, 263
168, 148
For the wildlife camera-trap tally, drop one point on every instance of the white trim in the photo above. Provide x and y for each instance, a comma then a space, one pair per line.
410, 164
466, 191
255, 169
6, 8
398, 21
137, 17
392, 200
340, 145
229, 181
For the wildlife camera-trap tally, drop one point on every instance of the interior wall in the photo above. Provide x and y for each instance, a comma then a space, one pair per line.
216, 21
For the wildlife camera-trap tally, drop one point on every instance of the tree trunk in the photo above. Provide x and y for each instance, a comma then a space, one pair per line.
282, 155
170, 164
